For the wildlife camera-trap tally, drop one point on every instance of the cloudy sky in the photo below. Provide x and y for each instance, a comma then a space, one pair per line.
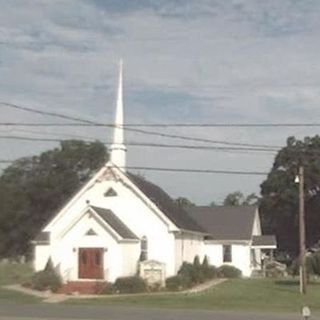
209, 61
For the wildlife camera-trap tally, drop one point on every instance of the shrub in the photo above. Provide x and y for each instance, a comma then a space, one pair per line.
130, 285
46, 280
315, 262
205, 263
275, 269
178, 282
155, 287
187, 271
211, 272
198, 272
293, 270
226, 271
312, 265
108, 289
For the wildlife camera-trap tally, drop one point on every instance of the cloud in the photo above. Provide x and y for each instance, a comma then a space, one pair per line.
185, 61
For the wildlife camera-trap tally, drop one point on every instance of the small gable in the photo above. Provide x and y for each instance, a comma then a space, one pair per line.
110, 193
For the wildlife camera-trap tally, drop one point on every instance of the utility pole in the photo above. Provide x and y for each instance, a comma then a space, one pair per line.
302, 234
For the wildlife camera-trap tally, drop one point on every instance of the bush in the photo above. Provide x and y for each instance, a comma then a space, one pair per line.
226, 271
46, 280
178, 282
108, 289
187, 271
312, 265
275, 269
198, 272
130, 285
314, 262
211, 272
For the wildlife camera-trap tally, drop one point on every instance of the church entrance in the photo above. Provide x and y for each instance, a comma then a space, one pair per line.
91, 263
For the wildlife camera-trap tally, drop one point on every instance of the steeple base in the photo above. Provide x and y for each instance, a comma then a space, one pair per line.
118, 155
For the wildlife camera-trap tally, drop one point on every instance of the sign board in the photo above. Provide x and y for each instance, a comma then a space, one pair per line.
153, 272
306, 313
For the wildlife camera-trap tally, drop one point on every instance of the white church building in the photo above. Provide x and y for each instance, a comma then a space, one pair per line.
118, 219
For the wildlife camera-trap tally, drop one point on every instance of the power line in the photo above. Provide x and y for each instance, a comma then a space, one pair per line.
198, 170
185, 138
165, 135
179, 170
165, 125
128, 128
45, 113
89, 122
146, 144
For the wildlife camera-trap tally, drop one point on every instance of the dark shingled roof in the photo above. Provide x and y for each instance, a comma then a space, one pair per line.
166, 204
43, 237
225, 222
264, 240
115, 223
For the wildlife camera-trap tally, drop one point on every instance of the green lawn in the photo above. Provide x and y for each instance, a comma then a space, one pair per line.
13, 274
266, 295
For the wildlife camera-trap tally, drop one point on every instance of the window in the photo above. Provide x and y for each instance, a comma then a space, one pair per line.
110, 193
144, 249
227, 256
91, 232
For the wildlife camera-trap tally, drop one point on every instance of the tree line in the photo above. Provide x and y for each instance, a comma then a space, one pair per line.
33, 188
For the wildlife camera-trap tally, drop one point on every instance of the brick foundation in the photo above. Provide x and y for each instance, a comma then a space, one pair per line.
82, 287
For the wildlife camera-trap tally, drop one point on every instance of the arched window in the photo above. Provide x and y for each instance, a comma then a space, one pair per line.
144, 249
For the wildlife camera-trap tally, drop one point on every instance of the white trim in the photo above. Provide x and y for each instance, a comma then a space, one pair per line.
87, 186
227, 241
264, 246
104, 224
127, 182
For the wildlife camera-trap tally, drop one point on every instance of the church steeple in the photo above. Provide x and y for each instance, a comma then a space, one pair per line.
118, 149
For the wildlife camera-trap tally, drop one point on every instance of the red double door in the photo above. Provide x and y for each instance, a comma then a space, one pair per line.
90, 263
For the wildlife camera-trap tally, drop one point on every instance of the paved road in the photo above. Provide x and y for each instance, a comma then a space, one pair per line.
11, 311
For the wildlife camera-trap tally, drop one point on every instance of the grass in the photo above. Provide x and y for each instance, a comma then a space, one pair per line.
263, 295
12, 274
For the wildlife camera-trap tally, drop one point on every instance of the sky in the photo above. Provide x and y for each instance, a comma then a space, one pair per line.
204, 61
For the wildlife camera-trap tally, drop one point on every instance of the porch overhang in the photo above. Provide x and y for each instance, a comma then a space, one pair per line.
264, 242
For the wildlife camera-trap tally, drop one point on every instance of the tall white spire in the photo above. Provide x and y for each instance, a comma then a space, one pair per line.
118, 149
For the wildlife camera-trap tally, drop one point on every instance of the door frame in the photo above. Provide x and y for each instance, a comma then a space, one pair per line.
94, 270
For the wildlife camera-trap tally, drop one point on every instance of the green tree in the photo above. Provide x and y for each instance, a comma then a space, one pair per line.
280, 199
184, 202
234, 199
251, 199
237, 198
32, 189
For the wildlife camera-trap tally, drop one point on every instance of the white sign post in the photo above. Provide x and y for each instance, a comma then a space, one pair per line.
306, 313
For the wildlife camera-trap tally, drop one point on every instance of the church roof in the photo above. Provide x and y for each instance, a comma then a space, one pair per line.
115, 223
166, 204
42, 238
264, 240
225, 222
